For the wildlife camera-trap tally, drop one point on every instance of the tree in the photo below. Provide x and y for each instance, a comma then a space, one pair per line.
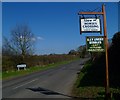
6, 48
116, 42
82, 51
21, 42
72, 52
114, 50
114, 60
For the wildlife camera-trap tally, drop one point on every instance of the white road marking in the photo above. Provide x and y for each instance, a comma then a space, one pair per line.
25, 84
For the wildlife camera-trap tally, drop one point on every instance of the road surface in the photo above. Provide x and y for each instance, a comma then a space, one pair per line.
53, 83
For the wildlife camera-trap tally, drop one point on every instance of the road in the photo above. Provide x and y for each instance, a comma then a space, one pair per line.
53, 83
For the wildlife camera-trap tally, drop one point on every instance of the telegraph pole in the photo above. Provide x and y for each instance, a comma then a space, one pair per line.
103, 13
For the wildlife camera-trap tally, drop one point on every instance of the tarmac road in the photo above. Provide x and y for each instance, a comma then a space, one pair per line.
53, 83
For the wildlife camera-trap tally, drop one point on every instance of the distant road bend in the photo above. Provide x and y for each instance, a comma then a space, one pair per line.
53, 83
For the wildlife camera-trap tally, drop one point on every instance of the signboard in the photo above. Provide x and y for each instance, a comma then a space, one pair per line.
90, 25
95, 44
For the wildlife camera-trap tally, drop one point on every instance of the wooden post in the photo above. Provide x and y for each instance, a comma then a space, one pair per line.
107, 92
103, 13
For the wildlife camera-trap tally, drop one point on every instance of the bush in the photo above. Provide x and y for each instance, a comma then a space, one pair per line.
9, 63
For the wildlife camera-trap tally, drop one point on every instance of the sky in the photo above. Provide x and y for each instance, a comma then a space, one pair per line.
60, 0
55, 24
0, 26
119, 17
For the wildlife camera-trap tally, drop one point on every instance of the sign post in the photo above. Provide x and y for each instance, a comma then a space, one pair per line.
103, 13
106, 54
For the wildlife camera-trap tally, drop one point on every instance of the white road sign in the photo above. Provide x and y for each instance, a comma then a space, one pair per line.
90, 25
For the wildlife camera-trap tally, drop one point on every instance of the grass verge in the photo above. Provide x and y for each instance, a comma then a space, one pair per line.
90, 84
13, 74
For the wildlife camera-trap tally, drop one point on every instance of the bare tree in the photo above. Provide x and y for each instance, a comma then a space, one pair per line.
21, 42
7, 50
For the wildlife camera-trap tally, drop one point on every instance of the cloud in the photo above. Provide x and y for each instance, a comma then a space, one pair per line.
40, 38
33, 39
37, 38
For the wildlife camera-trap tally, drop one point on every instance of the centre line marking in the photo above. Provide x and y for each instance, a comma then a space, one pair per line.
25, 84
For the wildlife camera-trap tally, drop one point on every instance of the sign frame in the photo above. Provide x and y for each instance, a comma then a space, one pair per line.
95, 37
80, 18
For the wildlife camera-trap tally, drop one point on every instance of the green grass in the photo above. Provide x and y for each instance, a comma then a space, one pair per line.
12, 74
90, 84
0, 75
